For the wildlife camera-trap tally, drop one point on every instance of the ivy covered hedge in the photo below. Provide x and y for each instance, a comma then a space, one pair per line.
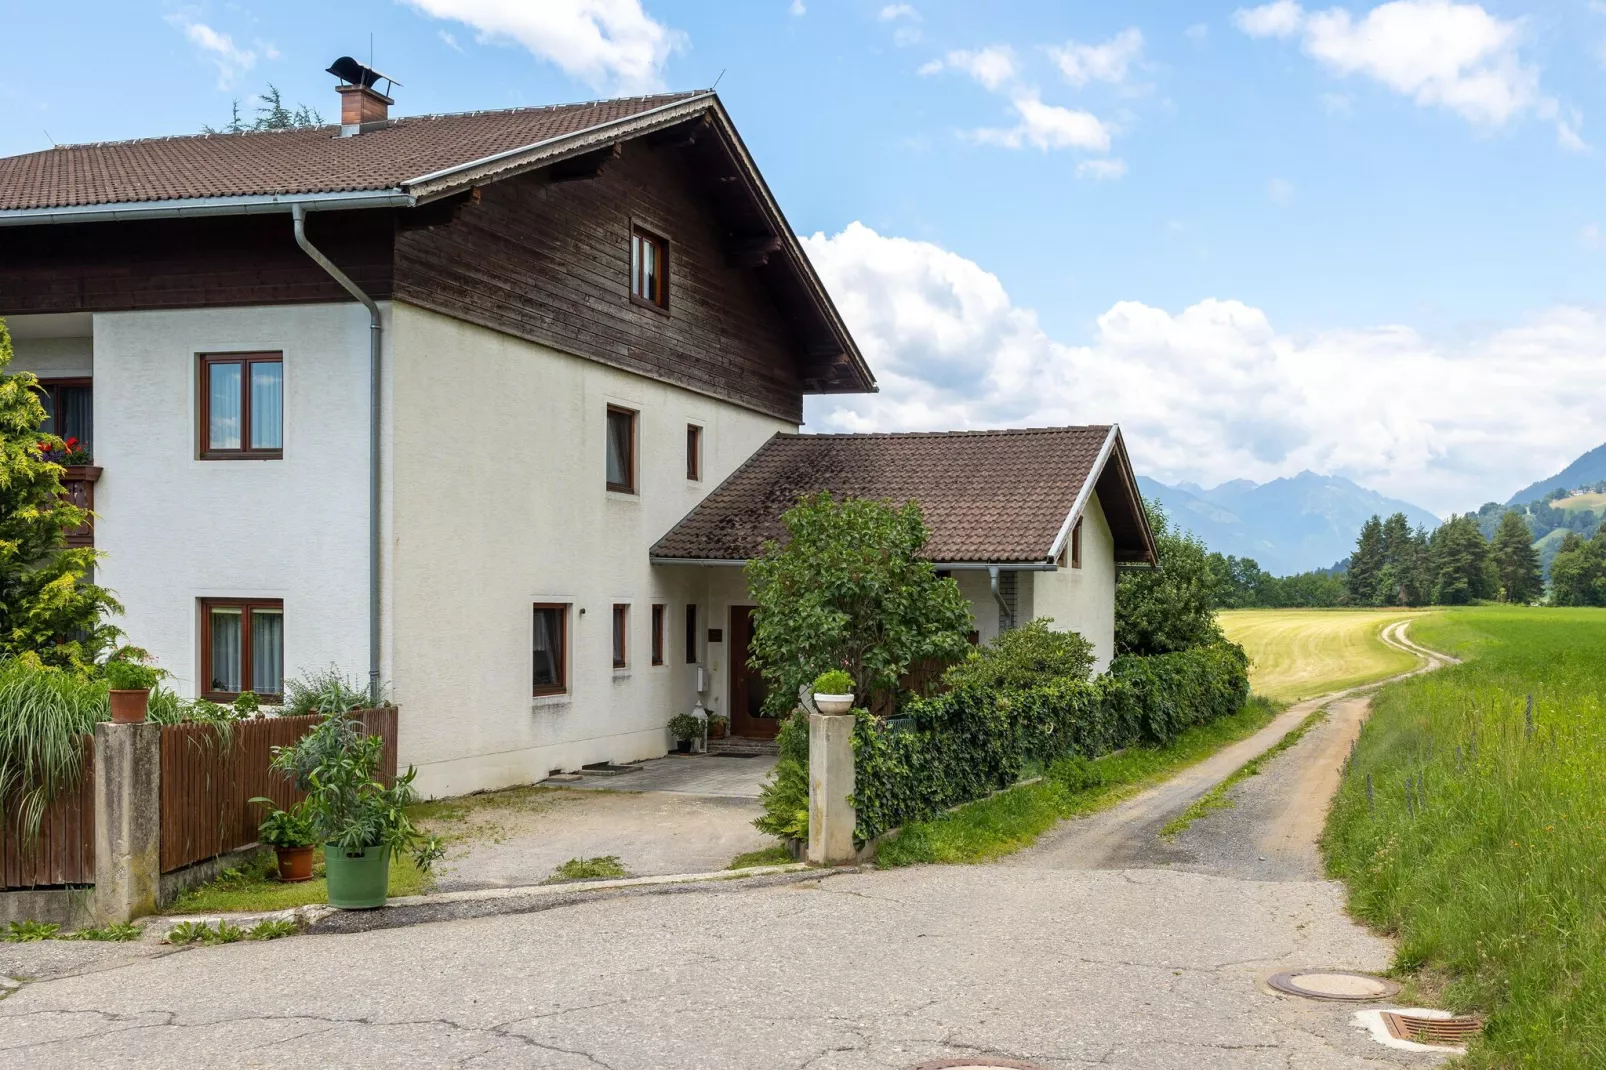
972, 741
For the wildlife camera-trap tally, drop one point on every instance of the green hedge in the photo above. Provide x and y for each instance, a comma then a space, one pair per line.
970, 742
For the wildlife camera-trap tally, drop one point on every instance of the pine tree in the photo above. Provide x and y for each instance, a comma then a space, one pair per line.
1460, 562
1516, 562
46, 604
1366, 564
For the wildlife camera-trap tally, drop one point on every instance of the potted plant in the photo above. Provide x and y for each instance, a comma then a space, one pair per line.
833, 692
129, 678
685, 728
291, 835
359, 819
718, 723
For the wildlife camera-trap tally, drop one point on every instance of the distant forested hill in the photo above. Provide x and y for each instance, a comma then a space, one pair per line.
1585, 471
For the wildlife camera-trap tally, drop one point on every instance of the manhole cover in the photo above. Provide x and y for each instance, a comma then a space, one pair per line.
1343, 986
1450, 1032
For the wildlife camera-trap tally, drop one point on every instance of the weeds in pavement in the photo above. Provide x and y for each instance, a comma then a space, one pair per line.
768, 856
272, 929
117, 932
1013, 819
26, 932
603, 867
1216, 798
1471, 825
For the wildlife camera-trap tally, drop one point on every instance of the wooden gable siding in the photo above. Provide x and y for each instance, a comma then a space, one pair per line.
550, 262
189, 263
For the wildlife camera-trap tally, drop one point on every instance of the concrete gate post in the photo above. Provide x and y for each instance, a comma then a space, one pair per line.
831, 816
128, 820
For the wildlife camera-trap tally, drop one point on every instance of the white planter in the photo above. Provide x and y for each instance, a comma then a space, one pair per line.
833, 703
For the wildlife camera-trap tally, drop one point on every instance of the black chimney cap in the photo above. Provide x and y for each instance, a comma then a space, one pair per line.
349, 70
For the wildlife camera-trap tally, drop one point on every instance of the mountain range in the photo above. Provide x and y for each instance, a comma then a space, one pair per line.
1289, 525
1586, 470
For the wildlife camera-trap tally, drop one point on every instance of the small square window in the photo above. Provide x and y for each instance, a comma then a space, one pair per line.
694, 452
621, 450
649, 269
657, 635
621, 629
242, 648
550, 649
241, 406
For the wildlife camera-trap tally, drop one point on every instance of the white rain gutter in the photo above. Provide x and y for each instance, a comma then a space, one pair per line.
298, 213
188, 207
1083, 495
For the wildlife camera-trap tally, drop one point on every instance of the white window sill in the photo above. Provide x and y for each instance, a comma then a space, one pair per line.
542, 702
621, 496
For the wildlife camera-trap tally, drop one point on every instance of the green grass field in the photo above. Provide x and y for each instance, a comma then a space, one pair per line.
1593, 502
1300, 653
1478, 837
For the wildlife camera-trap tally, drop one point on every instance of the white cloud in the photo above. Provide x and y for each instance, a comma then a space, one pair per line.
1101, 169
1280, 190
1439, 53
608, 44
993, 66
230, 59
1198, 33
1048, 126
893, 12
450, 41
797, 8
1107, 62
1214, 391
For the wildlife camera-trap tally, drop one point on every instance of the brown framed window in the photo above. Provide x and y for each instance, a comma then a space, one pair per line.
69, 409
242, 648
621, 631
691, 634
621, 450
657, 635
649, 269
550, 649
694, 452
241, 406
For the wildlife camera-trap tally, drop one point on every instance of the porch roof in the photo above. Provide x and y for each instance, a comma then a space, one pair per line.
989, 497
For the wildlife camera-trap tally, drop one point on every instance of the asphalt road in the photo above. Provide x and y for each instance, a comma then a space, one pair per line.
1120, 952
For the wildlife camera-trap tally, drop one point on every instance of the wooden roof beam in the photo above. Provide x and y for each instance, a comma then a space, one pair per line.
587, 166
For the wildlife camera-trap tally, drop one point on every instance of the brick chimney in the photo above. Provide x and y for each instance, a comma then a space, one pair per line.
362, 107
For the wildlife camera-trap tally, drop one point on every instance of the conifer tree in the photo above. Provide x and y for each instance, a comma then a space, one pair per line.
1460, 560
1366, 564
46, 604
1516, 562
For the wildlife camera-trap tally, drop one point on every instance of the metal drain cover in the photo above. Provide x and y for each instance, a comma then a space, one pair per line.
1341, 986
1451, 1032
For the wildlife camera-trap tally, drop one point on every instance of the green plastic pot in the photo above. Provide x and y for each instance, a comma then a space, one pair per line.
357, 881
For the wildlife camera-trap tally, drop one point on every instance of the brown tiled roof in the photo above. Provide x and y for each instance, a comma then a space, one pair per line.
291, 161
988, 496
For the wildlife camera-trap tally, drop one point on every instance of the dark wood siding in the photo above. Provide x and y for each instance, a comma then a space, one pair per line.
189, 263
550, 262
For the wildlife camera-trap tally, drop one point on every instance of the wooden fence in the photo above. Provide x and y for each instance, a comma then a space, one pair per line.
64, 851
206, 785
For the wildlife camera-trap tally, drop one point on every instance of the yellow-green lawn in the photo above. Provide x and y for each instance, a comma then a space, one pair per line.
1301, 653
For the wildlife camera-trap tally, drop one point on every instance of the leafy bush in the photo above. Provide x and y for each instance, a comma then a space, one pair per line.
286, 828
326, 691
974, 740
834, 682
130, 676
685, 727
1172, 607
1025, 657
785, 796
350, 807
850, 590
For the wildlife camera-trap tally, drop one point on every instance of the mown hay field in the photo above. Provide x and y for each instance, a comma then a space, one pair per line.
1471, 826
1300, 653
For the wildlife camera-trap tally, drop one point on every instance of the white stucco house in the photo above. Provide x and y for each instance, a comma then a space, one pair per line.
493, 407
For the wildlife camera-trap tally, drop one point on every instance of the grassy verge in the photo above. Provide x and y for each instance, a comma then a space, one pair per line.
768, 856
1216, 798
1013, 819
1300, 653
1477, 835
256, 886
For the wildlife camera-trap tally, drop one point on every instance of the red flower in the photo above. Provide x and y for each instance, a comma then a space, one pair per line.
72, 443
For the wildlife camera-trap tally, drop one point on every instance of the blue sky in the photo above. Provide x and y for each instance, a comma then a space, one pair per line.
1360, 239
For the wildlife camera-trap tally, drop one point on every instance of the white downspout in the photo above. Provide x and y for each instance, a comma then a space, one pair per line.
998, 596
298, 213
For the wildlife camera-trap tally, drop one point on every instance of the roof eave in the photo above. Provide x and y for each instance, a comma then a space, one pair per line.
191, 207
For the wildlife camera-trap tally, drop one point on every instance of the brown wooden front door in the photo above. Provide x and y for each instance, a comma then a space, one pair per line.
747, 689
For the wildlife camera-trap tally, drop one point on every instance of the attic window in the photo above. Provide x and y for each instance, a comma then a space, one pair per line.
649, 269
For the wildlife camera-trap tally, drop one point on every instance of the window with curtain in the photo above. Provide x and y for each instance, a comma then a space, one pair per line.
242, 406
657, 635
621, 628
621, 450
242, 648
69, 409
649, 269
551, 663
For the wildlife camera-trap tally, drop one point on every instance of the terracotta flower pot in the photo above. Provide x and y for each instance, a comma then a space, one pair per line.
129, 707
295, 864
716, 730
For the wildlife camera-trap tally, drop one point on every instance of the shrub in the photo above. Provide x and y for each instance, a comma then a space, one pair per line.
785, 796
286, 828
834, 682
1024, 658
45, 713
685, 727
1172, 607
326, 691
